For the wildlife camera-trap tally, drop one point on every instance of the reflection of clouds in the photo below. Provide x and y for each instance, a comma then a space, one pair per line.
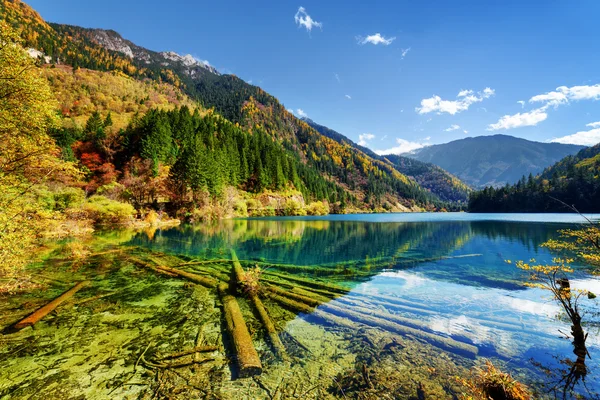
530, 307
410, 280
502, 341
593, 285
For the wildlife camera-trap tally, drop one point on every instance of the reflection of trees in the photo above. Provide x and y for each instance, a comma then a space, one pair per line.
312, 242
363, 244
530, 235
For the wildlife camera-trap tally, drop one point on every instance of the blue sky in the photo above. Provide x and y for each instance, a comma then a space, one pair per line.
395, 74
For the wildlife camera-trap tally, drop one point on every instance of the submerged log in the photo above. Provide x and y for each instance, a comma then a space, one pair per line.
202, 280
36, 316
199, 349
331, 313
295, 296
310, 283
274, 338
290, 304
372, 319
245, 354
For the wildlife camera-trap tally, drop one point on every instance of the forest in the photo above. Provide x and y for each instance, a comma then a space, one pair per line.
571, 183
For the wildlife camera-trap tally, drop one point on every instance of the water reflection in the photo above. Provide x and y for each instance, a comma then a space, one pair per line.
469, 252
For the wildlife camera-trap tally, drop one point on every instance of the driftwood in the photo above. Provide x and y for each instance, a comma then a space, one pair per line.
278, 346
36, 316
245, 353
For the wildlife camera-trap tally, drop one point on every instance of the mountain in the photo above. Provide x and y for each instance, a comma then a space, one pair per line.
431, 177
574, 180
493, 160
368, 183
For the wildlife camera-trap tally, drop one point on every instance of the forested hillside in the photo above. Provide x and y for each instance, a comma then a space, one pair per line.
574, 180
493, 160
368, 183
431, 177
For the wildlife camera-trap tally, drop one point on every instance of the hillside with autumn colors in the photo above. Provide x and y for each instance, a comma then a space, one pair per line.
97, 74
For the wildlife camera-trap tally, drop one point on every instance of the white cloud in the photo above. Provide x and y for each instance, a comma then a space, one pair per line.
465, 131
518, 120
594, 124
404, 146
290, 110
337, 78
348, 97
303, 19
428, 138
564, 94
375, 39
522, 103
405, 52
584, 138
453, 127
384, 137
363, 139
301, 113
464, 100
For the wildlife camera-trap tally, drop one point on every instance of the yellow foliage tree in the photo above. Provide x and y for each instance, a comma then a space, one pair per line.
28, 155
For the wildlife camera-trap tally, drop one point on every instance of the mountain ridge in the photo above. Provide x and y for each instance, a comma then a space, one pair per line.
493, 160
433, 178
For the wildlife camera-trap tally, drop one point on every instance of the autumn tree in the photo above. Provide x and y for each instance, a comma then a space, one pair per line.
28, 155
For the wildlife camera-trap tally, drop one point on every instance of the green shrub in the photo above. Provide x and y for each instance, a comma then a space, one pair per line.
294, 208
68, 197
317, 208
263, 212
113, 190
106, 211
240, 209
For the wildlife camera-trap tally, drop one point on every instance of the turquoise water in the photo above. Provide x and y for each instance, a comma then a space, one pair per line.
452, 267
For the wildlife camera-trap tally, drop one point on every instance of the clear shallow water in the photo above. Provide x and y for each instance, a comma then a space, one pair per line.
454, 265
444, 275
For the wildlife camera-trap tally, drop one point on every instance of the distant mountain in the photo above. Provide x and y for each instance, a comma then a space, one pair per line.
433, 178
574, 180
493, 160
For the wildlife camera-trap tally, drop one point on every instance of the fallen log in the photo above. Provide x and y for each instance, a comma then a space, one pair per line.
245, 354
372, 320
310, 283
199, 349
36, 316
325, 311
294, 296
276, 343
290, 304
204, 281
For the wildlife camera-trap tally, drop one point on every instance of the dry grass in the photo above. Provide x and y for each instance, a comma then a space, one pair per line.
490, 383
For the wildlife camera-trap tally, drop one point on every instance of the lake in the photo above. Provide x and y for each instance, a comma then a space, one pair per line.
442, 280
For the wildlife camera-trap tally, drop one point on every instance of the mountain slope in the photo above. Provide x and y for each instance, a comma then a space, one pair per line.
493, 160
574, 180
431, 177
371, 183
